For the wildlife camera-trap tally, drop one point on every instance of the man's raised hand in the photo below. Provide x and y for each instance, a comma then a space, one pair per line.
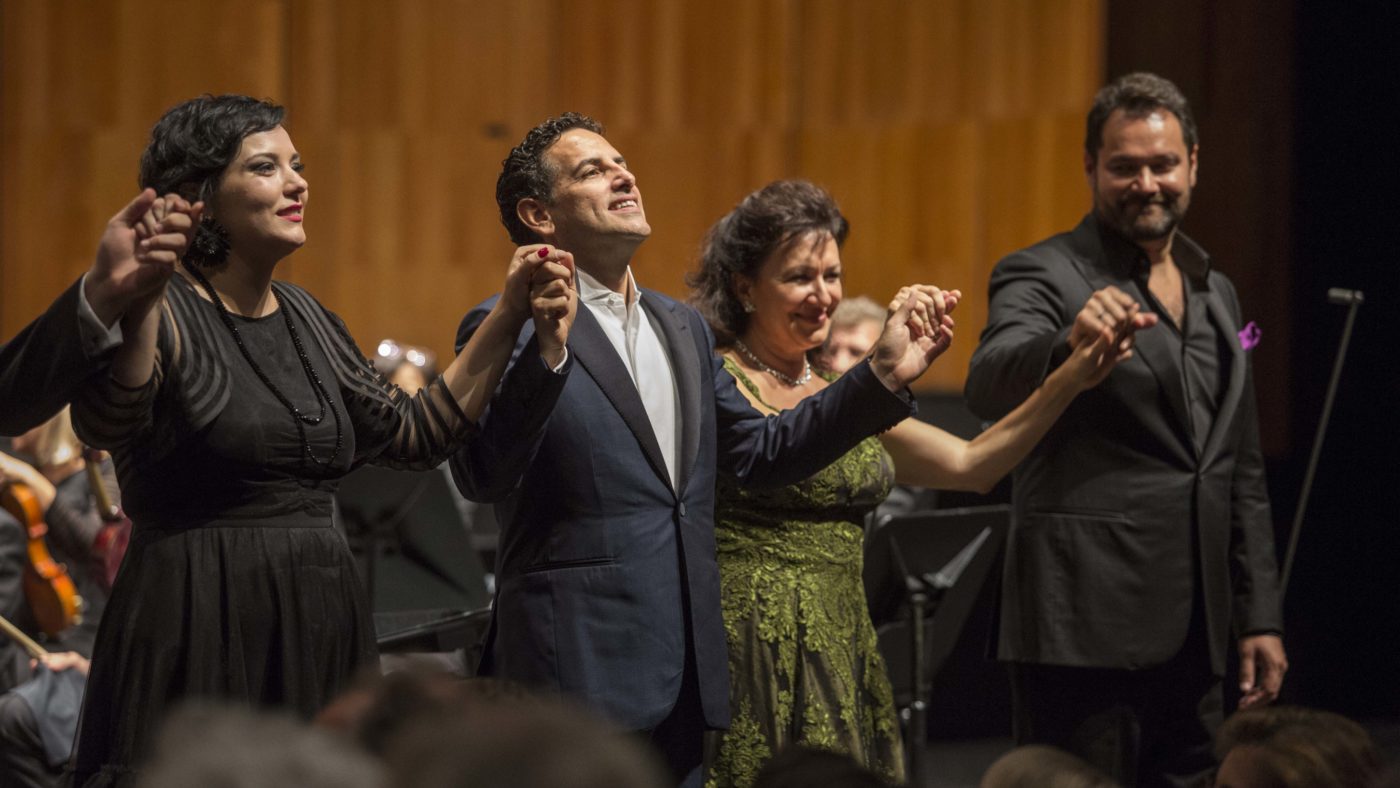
138, 252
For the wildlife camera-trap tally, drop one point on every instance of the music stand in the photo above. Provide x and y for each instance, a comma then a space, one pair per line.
931, 564
456, 631
419, 567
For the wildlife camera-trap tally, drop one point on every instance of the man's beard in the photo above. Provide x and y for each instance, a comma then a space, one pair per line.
1137, 227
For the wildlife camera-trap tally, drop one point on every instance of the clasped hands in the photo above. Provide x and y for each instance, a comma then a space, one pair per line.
540, 285
918, 328
138, 252
1103, 334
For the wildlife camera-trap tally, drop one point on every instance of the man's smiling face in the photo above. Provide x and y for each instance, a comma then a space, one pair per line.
595, 196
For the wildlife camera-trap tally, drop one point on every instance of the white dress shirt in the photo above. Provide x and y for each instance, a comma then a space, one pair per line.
97, 339
642, 351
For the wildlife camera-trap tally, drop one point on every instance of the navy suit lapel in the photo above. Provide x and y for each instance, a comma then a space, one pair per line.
596, 354
685, 365
1235, 388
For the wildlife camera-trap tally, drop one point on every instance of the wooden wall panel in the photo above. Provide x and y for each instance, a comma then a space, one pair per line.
81, 83
948, 131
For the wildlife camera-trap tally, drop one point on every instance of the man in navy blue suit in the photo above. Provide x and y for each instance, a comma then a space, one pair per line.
603, 466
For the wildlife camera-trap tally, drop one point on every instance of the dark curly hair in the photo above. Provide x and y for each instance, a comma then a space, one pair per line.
763, 223
525, 174
191, 146
192, 143
1138, 95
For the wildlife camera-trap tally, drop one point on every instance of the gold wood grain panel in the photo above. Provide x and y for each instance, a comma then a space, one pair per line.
81, 83
948, 131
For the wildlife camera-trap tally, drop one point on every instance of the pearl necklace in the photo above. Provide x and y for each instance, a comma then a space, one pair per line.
786, 380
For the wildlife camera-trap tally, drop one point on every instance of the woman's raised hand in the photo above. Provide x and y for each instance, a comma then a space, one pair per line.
1095, 356
540, 286
1103, 335
919, 328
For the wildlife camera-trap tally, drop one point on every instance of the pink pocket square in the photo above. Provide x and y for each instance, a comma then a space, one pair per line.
1250, 335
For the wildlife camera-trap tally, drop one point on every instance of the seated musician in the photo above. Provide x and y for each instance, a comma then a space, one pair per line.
77, 532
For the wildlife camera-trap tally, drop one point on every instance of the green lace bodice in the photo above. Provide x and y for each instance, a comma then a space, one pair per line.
820, 519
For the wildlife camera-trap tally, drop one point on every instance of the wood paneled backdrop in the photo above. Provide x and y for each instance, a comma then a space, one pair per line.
949, 131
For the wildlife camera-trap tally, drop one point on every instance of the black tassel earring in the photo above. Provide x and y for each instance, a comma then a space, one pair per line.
210, 244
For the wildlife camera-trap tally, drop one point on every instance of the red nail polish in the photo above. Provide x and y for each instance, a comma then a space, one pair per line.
544, 253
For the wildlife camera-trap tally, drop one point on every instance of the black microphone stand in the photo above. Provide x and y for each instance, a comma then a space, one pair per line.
1353, 300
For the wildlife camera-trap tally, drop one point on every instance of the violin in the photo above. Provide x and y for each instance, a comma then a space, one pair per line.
52, 597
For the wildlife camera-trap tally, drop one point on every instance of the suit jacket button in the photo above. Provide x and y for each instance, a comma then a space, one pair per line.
681, 509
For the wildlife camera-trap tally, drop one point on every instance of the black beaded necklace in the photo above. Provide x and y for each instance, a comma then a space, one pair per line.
323, 397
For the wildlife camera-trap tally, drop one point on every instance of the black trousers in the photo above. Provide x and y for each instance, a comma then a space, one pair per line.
1150, 727
22, 761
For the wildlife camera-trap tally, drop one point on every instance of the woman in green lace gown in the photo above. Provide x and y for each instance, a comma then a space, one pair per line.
804, 667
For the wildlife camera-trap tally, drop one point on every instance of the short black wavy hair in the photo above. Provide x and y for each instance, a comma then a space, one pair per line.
764, 222
1138, 95
193, 142
524, 173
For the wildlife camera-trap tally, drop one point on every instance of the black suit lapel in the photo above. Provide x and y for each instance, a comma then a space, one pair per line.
597, 356
685, 365
1229, 332
1150, 345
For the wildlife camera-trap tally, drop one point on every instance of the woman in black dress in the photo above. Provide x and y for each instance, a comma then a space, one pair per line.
233, 407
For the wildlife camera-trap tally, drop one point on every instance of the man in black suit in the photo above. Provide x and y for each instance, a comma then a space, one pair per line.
604, 467
1142, 545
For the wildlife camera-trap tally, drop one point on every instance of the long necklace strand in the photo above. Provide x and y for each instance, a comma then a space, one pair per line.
789, 381
318, 389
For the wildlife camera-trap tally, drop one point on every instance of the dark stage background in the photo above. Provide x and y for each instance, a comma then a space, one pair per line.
1344, 607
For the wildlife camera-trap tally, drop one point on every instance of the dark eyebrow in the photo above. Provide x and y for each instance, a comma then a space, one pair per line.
597, 161
1121, 159
593, 162
271, 156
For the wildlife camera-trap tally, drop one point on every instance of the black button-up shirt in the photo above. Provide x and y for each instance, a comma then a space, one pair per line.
1200, 348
